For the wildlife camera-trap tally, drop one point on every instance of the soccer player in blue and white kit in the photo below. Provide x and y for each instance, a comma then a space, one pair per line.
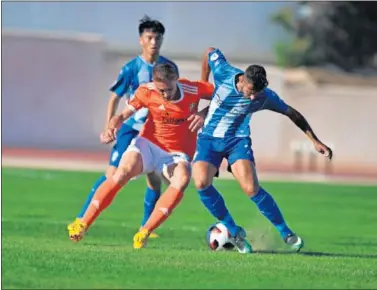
226, 134
134, 73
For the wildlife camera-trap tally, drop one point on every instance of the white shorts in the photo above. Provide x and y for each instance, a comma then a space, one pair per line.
155, 159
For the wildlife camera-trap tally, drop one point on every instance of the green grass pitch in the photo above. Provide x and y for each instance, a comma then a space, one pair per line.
338, 223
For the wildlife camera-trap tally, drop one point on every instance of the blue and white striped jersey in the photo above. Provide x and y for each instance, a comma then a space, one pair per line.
229, 111
134, 73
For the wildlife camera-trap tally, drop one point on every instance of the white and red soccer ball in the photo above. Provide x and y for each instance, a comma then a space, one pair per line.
218, 238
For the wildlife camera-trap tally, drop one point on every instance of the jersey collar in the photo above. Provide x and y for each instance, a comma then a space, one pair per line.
147, 63
181, 93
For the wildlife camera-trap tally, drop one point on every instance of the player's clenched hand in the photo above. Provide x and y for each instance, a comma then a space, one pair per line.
108, 136
197, 122
323, 149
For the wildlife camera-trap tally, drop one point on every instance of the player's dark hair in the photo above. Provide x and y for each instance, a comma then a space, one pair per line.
164, 72
147, 23
256, 74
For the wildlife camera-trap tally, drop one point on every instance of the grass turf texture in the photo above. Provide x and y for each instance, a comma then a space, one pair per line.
338, 223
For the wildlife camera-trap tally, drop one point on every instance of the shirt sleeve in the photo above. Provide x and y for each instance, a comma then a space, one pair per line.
274, 102
122, 83
140, 99
205, 90
218, 64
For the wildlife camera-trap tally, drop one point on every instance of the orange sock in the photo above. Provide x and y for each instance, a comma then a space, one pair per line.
163, 208
101, 199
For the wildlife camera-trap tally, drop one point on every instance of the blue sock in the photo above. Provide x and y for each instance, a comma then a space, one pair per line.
214, 202
150, 199
90, 196
268, 207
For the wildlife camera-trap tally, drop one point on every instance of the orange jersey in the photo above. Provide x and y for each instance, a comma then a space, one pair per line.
167, 125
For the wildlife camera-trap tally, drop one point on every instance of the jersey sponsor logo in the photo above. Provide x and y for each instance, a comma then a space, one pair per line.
238, 110
172, 121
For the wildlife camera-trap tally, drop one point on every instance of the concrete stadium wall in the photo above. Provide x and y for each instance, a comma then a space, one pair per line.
117, 22
49, 87
54, 96
342, 116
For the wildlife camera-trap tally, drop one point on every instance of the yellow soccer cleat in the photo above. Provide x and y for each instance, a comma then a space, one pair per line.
140, 239
76, 230
72, 225
153, 235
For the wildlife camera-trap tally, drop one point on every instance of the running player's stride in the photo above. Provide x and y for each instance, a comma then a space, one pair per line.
134, 73
226, 134
164, 146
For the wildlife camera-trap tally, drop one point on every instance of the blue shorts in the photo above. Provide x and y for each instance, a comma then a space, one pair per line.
213, 150
124, 138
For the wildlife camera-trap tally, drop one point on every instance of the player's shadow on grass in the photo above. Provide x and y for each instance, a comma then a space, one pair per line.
319, 254
104, 245
365, 244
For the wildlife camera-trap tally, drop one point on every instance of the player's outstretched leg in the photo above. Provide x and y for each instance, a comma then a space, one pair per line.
245, 172
179, 177
87, 202
124, 138
152, 194
203, 173
97, 184
131, 165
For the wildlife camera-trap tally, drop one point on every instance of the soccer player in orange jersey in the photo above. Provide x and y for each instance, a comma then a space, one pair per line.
164, 146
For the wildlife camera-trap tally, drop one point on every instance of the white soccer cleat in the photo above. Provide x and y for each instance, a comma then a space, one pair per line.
240, 242
295, 242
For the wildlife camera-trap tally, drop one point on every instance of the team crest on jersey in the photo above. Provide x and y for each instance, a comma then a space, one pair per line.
214, 56
192, 106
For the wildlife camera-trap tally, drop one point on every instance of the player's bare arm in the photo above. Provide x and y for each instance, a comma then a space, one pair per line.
109, 134
111, 109
197, 119
206, 70
300, 121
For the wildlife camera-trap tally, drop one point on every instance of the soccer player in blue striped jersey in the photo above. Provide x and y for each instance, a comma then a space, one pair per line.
226, 134
134, 73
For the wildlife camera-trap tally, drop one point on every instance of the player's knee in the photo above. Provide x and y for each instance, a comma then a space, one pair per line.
182, 183
201, 181
181, 179
251, 189
203, 174
110, 171
122, 175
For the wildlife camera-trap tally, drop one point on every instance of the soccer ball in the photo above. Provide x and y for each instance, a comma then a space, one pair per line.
218, 238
